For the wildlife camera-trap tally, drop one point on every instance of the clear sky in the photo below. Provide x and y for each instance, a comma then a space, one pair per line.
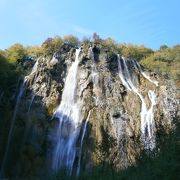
148, 22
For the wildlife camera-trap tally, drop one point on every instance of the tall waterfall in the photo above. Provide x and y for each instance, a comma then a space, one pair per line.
69, 121
147, 116
4, 162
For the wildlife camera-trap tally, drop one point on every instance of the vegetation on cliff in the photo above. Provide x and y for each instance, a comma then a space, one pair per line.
165, 61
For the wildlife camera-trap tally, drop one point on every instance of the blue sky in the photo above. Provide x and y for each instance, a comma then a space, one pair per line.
148, 22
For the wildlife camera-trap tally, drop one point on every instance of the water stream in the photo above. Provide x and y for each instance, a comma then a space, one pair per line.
69, 122
95, 76
21, 91
147, 115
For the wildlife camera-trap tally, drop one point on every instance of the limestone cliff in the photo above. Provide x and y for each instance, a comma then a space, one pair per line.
111, 110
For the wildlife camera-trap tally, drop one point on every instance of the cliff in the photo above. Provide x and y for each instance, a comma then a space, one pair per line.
78, 109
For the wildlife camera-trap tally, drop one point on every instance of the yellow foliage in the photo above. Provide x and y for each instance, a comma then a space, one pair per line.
71, 39
165, 61
34, 51
134, 51
52, 45
16, 52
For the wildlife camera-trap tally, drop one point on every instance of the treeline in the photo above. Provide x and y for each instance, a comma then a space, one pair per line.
166, 60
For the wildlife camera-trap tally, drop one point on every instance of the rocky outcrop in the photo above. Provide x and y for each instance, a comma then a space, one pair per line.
113, 133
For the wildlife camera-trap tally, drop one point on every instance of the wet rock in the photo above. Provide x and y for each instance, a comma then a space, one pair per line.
114, 127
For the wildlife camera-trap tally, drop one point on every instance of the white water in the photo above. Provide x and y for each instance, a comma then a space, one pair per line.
149, 123
147, 115
69, 121
95, 76
33, 71
81, 143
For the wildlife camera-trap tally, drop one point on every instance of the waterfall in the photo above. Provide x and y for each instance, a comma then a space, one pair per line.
21, 91
81, 143
149, 123
35, 67
31, 102
95, 76
26, 131
18, 100
69, 123
147, 116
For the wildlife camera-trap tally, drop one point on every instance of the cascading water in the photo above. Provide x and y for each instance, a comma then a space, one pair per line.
21, 91
31, 102
18, 100
149, 123
81, 143
27, 127
95, 75
147, 116
69, 121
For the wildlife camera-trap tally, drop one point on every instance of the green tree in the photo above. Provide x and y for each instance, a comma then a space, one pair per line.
134, 51
4, 71
71, 40
165, 61
16, 53
163, 47
34, 51
52, 45
110, 44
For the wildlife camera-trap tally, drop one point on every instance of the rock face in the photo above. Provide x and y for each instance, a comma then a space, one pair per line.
110, 125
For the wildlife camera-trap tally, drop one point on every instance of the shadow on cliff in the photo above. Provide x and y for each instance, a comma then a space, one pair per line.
164, 164
25, 154
11, 75
24, 126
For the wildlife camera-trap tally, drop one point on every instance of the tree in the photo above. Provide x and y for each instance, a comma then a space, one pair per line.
163, 47
34, 51
70, 39
96, 38
16, 53
134, 51
110, 44
52, 45
4, 71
